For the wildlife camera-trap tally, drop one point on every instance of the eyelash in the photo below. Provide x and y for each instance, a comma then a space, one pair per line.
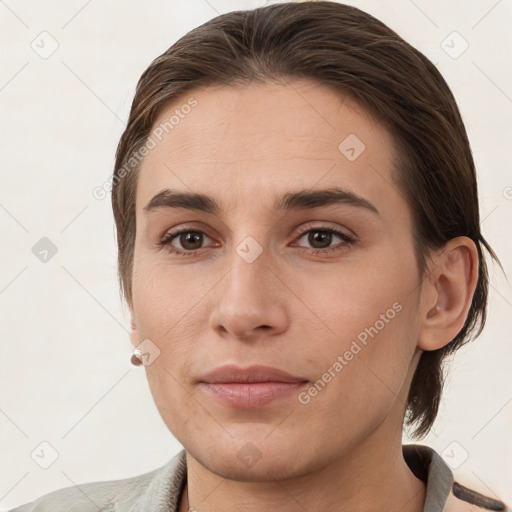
349, 240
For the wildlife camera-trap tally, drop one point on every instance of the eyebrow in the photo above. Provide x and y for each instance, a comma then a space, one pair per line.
302, 199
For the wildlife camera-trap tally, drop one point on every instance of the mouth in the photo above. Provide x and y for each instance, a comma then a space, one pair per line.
255, 386
255, 394
228, 374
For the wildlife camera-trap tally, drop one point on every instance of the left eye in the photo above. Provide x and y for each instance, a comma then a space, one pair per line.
326, 236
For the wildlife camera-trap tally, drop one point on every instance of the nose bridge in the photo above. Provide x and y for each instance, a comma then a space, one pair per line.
248, 297
249, 269
249, 245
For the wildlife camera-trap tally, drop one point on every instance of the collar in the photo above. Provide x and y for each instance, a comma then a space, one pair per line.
428, 465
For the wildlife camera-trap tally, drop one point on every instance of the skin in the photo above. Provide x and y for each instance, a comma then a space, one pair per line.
289, 308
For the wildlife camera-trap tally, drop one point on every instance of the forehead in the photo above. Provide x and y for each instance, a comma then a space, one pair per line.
243, 141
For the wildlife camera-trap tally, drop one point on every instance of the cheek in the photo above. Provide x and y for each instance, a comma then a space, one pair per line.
163, 296
354, 299
361, 374
369, 319
166, 309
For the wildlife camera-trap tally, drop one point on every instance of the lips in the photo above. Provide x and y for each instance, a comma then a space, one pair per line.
232, 374
255, 386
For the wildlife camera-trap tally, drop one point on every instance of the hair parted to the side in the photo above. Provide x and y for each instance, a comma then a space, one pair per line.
351, 51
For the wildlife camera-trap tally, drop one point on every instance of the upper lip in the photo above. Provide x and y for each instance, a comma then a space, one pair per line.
257, 373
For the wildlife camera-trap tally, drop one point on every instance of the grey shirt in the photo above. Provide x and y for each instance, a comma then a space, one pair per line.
160, 490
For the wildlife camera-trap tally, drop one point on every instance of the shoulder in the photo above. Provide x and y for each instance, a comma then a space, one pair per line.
123, 494
92, 496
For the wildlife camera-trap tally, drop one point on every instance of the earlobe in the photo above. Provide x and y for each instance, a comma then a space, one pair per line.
134, 338
449, 293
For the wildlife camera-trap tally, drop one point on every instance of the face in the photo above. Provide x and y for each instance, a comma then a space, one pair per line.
323, 286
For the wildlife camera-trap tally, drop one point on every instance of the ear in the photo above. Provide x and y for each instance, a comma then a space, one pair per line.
447, 293
134, 332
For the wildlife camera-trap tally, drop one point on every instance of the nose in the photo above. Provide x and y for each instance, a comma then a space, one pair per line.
251, 299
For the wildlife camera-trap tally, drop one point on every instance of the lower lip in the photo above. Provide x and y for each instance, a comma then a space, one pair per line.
256, 394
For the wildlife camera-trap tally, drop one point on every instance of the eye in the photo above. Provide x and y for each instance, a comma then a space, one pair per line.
321, 238
189, 239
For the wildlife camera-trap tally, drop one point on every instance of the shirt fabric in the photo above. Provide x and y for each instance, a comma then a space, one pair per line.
160, 489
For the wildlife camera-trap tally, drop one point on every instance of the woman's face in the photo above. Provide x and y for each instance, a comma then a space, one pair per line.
262, 283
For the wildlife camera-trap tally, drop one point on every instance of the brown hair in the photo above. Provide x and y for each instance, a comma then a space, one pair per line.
345, 48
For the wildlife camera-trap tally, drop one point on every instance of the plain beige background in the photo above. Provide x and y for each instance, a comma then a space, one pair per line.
69, 69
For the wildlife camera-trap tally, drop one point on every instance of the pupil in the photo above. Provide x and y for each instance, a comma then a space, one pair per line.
189, 238
322, 236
